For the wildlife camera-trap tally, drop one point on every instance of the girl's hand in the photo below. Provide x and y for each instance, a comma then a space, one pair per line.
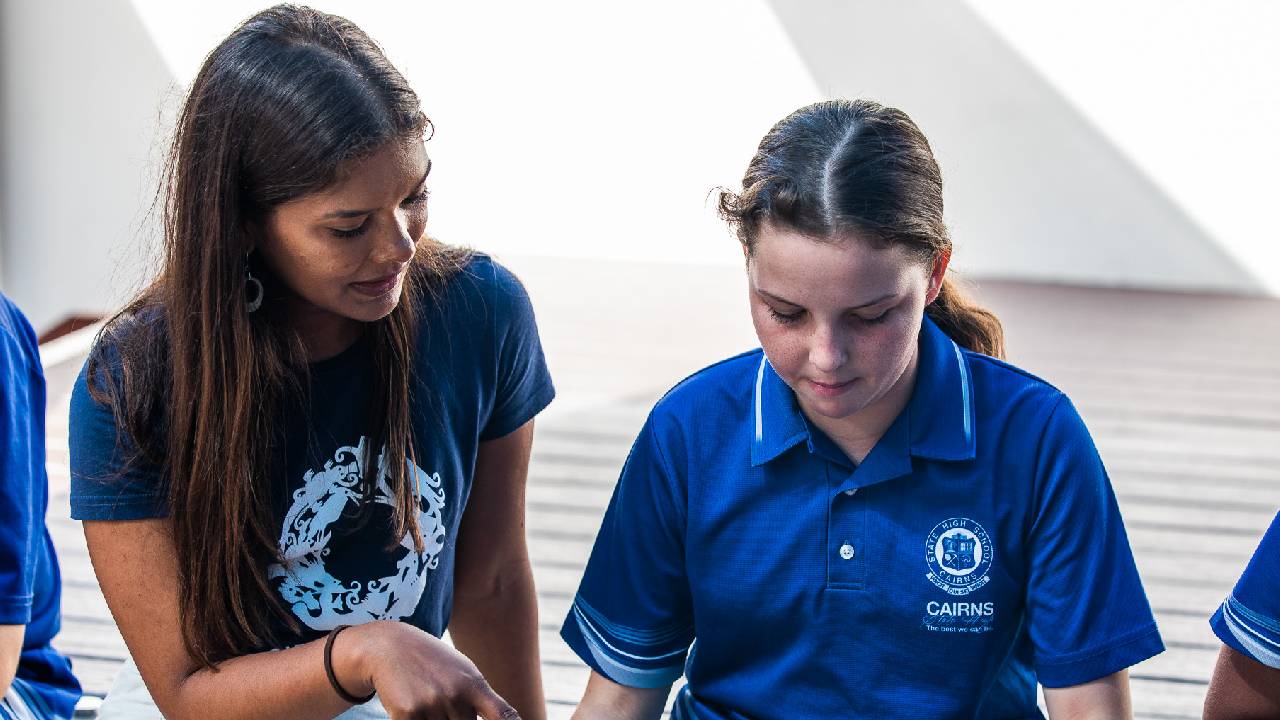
415, 674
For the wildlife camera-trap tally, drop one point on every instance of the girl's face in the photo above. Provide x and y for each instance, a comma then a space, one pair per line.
838, 320
344, 251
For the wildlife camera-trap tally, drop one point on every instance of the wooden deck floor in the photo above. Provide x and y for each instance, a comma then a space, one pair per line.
1182, 393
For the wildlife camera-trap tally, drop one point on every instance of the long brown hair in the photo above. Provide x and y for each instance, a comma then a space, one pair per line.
842, 165
278, 110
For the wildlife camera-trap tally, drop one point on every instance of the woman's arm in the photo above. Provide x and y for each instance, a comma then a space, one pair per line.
1106, 698
1242, 688
607, 700
411, 670
495, 609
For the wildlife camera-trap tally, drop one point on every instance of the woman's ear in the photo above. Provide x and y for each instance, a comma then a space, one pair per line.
937, 273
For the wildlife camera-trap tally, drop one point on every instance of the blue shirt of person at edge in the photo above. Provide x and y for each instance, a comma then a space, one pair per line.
30, 585
1248, 621
977, 550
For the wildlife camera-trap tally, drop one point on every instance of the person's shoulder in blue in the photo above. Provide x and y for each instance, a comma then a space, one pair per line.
1246, 681
870, 516
35, 680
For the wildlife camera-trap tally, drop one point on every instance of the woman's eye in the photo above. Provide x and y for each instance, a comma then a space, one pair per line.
785, 318
416, 198
351, 232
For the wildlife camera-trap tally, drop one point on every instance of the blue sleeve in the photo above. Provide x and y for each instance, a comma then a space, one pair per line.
632, 618
1249, 620
109, 481
1087, 612
523, 384
20, 519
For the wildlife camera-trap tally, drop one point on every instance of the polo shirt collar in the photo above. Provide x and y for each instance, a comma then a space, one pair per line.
779, 423
941, 406
938, 422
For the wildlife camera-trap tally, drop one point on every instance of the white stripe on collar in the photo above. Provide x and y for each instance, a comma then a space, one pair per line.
759, 385
964, 394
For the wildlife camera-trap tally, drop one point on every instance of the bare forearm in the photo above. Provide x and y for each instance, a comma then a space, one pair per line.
276, 684
1106, 698
498, 629
607, 700
10, 652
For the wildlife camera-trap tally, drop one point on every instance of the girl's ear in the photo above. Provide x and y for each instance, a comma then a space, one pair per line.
937, 273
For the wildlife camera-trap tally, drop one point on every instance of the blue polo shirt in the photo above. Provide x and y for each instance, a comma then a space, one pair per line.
1249, 620
976, 550
30, 585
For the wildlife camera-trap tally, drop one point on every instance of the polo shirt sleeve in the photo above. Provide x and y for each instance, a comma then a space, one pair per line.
19, 519
1087, 612
109, 481
523, 383
632, 618
1249, 620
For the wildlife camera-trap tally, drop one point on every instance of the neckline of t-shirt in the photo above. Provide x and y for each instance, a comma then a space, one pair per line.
344, 360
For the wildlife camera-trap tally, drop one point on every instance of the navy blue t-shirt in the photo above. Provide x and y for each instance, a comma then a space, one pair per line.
30, 585
1248, 621
976, 550
478, 374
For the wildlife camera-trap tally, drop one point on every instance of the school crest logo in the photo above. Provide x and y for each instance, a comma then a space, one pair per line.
958, 553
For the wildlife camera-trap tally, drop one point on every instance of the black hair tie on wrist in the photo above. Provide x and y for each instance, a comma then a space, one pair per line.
333, 679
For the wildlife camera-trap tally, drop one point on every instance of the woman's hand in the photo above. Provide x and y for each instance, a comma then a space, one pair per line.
415, 674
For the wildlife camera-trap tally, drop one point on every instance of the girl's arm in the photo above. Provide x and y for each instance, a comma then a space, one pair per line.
607, 700
495, 609
1242, 688
411, 670
1106, 698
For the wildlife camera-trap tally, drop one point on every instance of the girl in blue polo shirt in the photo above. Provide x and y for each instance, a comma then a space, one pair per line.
299, 455
872, 516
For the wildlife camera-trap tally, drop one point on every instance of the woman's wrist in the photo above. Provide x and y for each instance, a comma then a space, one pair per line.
352, 656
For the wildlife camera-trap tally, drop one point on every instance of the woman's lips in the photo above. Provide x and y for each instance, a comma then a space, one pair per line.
376, 288
826, 390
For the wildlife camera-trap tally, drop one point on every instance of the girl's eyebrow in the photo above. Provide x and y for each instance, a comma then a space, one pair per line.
784, 301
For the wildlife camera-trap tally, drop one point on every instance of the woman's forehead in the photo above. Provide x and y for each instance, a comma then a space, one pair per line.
385, 175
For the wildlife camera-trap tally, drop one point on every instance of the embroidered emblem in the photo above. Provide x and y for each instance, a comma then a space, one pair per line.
958, 554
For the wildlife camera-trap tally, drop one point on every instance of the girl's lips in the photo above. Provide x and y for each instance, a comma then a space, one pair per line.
824, 390
376, 288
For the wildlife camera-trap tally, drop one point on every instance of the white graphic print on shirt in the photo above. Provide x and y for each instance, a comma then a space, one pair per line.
322, 601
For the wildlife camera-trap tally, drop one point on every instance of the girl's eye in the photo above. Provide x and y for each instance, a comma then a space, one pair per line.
877, 319
784, 318
353, 232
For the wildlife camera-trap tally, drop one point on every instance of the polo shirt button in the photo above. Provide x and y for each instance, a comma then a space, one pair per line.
846, 551
851, 492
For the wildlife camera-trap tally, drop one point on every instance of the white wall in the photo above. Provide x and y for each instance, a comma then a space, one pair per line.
576, 128
81, 86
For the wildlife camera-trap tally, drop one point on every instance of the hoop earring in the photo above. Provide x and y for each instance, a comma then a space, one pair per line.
253, 291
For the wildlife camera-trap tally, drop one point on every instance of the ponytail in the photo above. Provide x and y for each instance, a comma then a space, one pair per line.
972, 326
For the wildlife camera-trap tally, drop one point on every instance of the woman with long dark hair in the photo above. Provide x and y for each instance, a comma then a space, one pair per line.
300, 453
872, 516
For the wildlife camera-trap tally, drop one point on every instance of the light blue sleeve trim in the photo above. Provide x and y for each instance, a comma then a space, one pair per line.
635, 636
623, 674
1241, 622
